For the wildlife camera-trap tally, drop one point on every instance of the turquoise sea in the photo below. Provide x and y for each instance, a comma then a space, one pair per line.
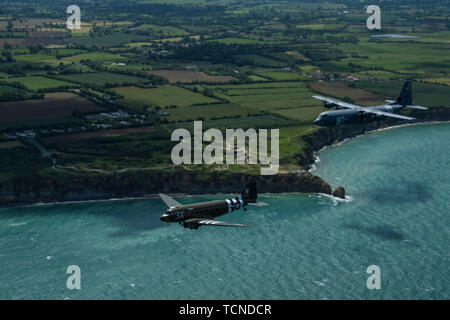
300, 247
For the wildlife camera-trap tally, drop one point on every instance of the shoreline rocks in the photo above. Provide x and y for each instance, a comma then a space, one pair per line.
339, 192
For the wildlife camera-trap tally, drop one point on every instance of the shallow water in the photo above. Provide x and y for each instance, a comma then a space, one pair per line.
300, 247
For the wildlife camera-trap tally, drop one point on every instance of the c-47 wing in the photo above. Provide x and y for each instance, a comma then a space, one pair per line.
170, 202
362, 109
210, 222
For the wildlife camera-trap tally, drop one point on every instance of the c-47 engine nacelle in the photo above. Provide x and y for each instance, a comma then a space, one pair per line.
190, 225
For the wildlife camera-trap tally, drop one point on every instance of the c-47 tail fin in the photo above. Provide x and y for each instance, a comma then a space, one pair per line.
249, 194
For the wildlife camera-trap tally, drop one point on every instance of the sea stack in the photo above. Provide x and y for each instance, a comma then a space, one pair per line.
339, 192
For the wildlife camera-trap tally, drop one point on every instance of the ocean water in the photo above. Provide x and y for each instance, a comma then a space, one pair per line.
300, 247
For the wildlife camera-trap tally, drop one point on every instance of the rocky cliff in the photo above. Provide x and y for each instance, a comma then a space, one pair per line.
93, 187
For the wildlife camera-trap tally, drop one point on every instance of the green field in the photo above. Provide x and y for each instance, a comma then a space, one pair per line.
406, 57
256, 122
167, 95
103, 78
305, 115
238, 41
283, 76
268, 96
115, 39
208, 111
38, 58
141, 150
259, 61
7, 89
35, 83
94, 56
320, 26
163, 30
425, 94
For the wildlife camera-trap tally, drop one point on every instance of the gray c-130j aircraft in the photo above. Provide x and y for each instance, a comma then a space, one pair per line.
194, 215
359, 114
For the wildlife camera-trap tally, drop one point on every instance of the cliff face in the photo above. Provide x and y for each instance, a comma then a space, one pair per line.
34, 188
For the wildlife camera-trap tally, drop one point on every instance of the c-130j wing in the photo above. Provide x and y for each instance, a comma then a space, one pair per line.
202, 214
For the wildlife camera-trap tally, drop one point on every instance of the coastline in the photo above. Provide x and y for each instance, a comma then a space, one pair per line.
83, 189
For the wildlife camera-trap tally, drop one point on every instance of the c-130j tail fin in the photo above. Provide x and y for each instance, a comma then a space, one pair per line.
405, 99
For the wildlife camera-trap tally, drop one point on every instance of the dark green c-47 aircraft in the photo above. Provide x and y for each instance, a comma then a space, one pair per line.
351, 113
202, 214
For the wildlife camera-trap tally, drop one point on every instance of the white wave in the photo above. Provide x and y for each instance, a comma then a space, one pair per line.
319, 283
17, 224
336, 200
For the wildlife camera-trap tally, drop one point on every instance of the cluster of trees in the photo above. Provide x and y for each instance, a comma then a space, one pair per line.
19, 95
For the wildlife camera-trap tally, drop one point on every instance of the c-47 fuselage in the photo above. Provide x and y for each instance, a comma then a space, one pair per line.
202, 210
197, 214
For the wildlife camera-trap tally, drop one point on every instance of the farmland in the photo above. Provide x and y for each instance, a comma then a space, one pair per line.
54, 105
208, 112
162, 96
35, 83
183, 76
341, 90
120, 84
424, 93
103, 79
94, 56
163, 30
268, 96
96, 134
